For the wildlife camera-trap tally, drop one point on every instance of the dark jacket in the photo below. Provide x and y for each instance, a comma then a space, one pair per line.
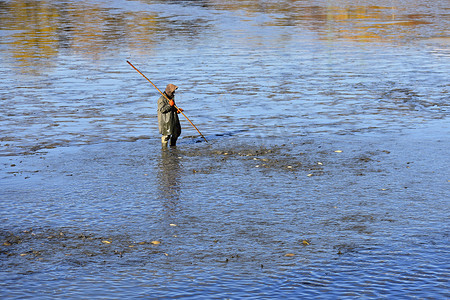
169, 124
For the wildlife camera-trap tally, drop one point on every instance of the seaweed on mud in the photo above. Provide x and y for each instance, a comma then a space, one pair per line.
344, 248
69, 247
284, 158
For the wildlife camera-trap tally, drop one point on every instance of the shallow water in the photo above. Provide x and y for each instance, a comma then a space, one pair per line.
304, 67
326, 174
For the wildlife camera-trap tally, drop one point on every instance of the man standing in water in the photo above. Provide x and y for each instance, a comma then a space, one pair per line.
169, 124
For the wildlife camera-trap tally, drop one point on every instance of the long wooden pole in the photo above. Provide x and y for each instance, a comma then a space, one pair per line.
167, 99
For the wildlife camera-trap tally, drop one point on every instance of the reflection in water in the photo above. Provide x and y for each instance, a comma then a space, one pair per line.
65, 81
169, 179
37, 31
305, 76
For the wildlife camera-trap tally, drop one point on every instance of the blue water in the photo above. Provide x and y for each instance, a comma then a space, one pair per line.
325, 175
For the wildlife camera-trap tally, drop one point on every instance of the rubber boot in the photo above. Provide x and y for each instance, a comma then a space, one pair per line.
173, 141
165, 140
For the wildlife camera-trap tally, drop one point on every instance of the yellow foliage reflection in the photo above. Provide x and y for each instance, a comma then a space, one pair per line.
337, 19
36, 31
33, 31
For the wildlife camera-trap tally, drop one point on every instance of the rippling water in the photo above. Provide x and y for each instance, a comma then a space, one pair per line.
321, 67
326, 174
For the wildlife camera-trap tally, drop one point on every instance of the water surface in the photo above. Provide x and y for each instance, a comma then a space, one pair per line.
326, 174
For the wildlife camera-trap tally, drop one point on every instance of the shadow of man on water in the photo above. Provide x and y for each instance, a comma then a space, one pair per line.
169, 179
